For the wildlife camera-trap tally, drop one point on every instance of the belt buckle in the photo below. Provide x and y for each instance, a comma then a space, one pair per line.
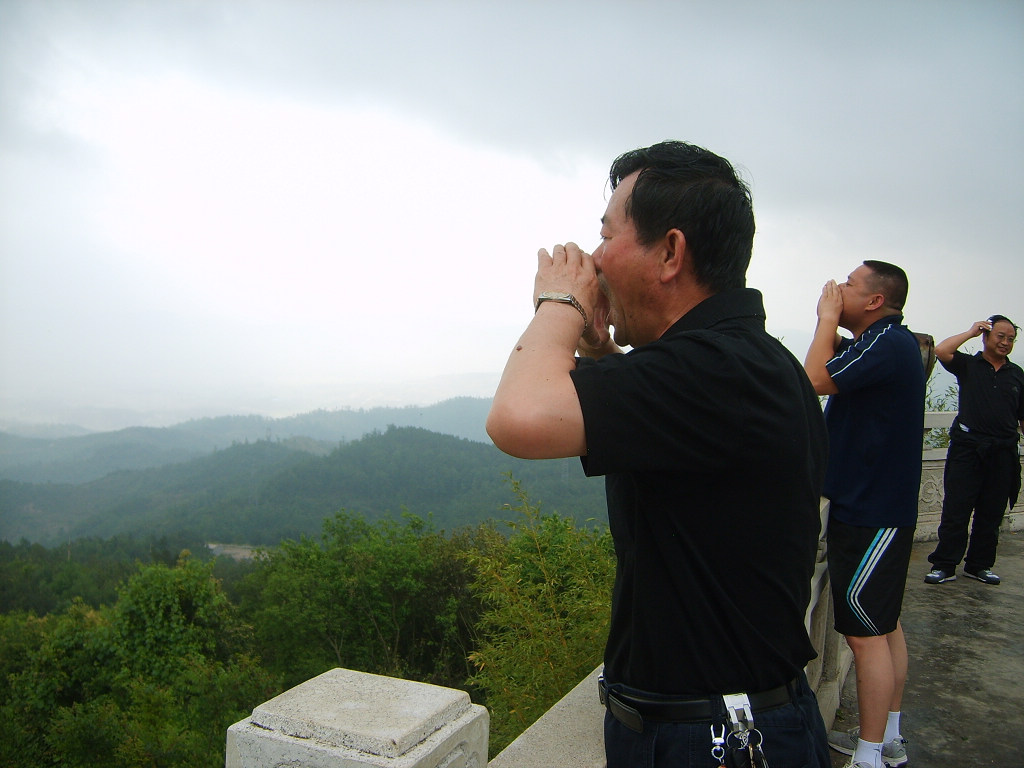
740, 715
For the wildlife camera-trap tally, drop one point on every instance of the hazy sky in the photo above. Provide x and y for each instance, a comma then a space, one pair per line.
230, 207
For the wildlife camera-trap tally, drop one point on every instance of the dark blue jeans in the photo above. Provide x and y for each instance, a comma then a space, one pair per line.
794, 737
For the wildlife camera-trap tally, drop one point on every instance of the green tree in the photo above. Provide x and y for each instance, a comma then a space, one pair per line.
166, 618
72, 663
546, 592
21, 635
154, 680
380, 597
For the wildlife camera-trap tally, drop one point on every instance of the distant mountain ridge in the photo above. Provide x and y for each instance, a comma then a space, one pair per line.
264, 491
85, 457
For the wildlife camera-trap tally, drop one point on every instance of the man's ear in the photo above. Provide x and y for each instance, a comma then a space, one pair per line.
674, 258
876, 302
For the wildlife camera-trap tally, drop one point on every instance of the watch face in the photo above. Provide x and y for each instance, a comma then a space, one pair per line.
565, 298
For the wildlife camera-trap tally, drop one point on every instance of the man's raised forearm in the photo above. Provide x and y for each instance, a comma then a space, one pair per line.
822, 349
944, 349
536, 413
825, 341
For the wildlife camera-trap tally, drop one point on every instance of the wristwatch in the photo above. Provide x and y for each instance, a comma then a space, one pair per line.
562, 298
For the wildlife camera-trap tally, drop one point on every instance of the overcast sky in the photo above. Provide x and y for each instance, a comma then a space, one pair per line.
271, 207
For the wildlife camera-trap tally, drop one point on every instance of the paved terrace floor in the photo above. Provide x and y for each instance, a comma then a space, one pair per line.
964, 702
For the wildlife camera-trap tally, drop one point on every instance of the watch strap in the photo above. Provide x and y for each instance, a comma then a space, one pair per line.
563, 298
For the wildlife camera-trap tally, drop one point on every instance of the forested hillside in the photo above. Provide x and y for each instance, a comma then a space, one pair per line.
264, 491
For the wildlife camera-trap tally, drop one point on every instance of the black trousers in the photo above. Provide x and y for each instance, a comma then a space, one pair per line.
978, 478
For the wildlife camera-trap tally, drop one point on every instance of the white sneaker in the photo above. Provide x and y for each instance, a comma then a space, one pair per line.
894, 751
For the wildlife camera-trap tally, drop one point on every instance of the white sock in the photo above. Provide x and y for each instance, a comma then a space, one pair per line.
868, 752
892, 727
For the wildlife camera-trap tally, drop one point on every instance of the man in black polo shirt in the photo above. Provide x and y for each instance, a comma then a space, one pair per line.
982, 472
712, 445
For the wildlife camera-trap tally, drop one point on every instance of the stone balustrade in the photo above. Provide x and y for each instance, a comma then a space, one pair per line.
348, 719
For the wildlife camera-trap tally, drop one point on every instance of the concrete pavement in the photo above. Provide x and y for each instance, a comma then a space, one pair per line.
964, 702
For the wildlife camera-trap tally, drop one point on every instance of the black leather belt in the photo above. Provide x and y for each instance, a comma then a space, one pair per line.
632, 711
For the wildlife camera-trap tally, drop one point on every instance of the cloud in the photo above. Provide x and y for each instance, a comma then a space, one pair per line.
299, 199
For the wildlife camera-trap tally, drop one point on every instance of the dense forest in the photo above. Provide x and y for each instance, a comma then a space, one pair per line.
123, 652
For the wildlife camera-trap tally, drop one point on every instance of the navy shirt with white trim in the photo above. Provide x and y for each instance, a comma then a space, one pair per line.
875, 427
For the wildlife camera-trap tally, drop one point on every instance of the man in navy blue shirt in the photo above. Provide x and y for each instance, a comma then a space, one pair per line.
875, 418
982, 471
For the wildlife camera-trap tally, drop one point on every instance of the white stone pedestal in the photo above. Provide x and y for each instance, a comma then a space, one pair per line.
346, 719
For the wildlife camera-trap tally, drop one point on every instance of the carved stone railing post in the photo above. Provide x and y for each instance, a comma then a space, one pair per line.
347, 719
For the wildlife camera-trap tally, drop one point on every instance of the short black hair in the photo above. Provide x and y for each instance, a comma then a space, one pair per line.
1002, 319
686, 187
891, 282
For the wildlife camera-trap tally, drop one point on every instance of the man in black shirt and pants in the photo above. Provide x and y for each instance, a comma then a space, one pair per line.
983, 462
712, 445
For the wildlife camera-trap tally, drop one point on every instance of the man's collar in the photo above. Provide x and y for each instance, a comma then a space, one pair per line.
727, 305
1002, 364
882, 322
